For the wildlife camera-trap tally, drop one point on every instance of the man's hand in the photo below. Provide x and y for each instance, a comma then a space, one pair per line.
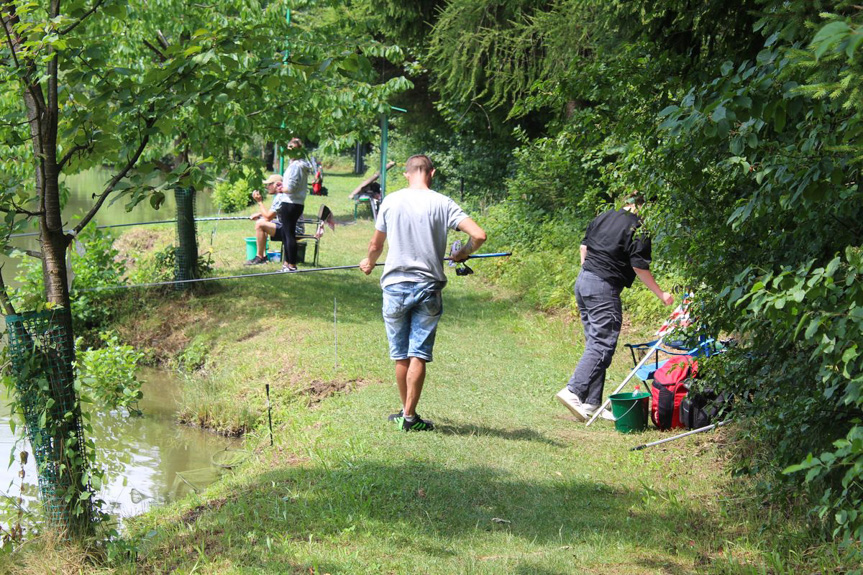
256, 195
667, 298
475, 240
367, 266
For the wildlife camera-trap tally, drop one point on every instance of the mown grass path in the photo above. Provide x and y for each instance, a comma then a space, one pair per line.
508, 483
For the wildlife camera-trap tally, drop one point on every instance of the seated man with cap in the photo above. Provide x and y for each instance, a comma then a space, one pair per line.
267, 222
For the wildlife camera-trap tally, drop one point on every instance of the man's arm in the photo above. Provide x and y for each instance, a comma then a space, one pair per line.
263, 212
376, 248
584, 254
476, 239
647, 277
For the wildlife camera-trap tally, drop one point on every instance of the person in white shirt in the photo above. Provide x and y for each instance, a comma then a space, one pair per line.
414, 221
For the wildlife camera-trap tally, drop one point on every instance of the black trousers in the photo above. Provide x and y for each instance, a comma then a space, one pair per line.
289, 215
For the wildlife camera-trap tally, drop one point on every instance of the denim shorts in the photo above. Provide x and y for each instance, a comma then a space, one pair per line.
411, 313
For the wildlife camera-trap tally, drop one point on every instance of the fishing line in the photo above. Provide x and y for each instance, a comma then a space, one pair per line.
275, 273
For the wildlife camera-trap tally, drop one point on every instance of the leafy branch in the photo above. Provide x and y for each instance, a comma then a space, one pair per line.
86, 15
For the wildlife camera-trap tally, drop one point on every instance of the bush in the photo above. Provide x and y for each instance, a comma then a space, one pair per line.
159, 266
231, 197
108, 373
94, 264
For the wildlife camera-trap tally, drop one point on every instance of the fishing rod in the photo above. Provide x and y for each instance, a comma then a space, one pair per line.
208, 219
275, 273
688, 433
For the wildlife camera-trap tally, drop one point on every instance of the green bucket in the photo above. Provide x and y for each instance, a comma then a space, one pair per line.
251, 248
630, 411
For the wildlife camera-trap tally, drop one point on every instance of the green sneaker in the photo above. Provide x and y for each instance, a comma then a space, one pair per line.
417, 424
394, 416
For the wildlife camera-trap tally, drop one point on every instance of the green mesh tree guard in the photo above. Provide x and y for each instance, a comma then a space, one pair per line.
186, 255
41, 352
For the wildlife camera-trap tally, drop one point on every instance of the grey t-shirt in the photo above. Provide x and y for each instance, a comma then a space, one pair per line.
416, 223
278, 200
295, 183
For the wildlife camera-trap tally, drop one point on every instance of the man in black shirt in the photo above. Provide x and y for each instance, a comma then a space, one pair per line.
614, 250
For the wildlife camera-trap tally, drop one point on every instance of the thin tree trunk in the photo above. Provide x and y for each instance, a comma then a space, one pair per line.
64, 466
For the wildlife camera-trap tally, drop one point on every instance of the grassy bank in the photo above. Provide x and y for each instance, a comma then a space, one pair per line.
509, 483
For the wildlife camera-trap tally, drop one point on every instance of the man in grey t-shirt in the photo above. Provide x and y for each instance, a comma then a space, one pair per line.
414, 221
267, 223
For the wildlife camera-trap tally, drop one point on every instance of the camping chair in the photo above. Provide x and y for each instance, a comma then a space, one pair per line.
371, 195
706, 347
303, 240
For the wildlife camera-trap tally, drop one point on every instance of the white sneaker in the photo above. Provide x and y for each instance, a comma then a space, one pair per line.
591, 410
573, 404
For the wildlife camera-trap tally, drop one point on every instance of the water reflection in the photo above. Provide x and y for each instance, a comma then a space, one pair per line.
81, 189
148, 460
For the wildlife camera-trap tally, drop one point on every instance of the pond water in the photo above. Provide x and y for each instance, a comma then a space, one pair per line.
148, 460
81, 189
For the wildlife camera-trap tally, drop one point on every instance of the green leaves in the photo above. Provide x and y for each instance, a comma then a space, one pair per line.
108, 373
829, 36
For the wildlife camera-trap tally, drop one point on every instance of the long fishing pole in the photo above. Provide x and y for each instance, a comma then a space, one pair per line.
667, 439
275, 273
208, 219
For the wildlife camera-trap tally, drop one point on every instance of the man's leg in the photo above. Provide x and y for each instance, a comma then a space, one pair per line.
425, 312
397, 325
602, 316
263, 230
416, 376
402, 378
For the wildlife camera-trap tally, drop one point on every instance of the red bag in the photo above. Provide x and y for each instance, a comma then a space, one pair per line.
670, 386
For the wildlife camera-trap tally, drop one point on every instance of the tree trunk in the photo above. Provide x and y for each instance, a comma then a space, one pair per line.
63, 469
268, 155
186, 256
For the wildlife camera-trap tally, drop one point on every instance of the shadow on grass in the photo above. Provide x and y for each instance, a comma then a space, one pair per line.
358, 297
522, 434
389, 512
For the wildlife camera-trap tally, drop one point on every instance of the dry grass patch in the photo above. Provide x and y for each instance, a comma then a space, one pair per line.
165, 339
318, 390
49, 553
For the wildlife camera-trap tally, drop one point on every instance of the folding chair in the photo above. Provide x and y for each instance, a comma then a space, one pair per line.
706, 347
303, 240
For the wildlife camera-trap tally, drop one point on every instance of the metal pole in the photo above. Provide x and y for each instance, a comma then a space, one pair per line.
384, 145
335, 332
269, 414
284, 61
385, 129
628, 377
667, 439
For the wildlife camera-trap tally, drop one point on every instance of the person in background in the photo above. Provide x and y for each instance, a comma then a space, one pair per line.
267, 224
613, 252
295, 187
414, 221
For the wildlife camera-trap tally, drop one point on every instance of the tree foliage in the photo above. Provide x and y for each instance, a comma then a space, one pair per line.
741, 122
157, 86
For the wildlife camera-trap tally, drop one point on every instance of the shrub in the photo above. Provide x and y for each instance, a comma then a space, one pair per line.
93, 264
159, 266
107, 374
232, 197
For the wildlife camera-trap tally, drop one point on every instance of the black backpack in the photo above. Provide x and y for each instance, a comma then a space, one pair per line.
701, 408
